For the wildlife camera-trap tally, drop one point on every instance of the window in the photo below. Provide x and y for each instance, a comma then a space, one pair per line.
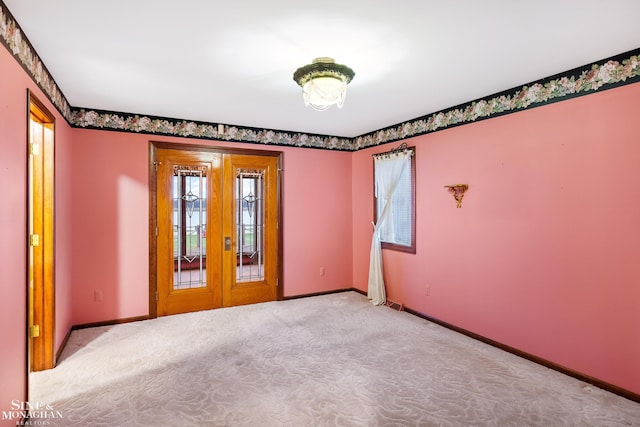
395, 168
189, 226
250, 222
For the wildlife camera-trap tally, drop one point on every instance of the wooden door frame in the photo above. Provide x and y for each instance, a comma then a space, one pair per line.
153, 208
41, 299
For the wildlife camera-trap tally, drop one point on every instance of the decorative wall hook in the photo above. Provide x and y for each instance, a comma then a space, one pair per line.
458, 192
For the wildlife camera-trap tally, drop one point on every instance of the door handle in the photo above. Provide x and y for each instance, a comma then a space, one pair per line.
227, 243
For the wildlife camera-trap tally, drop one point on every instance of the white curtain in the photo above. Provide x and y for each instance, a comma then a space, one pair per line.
388, 170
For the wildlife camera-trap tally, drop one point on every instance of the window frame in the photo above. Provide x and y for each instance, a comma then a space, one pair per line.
397, 246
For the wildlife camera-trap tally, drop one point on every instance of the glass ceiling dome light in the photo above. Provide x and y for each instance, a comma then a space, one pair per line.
324, 83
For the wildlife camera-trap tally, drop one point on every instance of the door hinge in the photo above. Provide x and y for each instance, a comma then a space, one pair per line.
34, 149
34, 240
34, 331
156, 231
277, 282
156, 295
156, 165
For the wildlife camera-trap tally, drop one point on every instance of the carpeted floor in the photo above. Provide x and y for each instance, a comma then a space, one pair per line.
331, 360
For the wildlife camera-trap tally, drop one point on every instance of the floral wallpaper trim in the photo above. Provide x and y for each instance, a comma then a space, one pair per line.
96, 119
17, 43
607, 74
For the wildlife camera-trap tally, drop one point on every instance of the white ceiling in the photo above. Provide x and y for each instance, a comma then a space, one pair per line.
232, 61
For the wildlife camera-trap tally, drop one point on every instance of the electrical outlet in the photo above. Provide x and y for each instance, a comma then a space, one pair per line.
321, 271
97, 296
427, 290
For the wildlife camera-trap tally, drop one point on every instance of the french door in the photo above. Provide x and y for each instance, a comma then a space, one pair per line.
217, 238
250, 221
188, 222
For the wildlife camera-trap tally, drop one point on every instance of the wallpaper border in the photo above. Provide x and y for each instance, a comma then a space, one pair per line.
606, 74
126, 122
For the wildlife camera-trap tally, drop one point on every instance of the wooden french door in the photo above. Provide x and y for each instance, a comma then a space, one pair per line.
217, 236
250, 228
189, 224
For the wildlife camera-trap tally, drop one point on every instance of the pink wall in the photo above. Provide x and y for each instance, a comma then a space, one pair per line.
13, 210
543, 255
109, 211
317, 218
13, 282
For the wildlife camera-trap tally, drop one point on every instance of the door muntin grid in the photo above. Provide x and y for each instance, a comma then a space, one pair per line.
250, 219
189, 189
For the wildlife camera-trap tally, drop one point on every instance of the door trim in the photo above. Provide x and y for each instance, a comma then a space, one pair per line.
154, 146
40, 220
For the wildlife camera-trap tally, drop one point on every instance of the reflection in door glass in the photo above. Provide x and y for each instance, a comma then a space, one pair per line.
250, 225
189, 226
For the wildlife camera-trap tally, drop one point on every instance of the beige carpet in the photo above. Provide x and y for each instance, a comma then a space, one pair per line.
332, 360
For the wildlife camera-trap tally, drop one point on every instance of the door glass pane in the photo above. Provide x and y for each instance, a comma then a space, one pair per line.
250, 225
189, 227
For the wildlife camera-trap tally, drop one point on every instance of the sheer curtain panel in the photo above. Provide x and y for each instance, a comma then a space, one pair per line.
388, 170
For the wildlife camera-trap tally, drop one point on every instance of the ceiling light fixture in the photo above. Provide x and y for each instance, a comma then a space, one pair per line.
324, 83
